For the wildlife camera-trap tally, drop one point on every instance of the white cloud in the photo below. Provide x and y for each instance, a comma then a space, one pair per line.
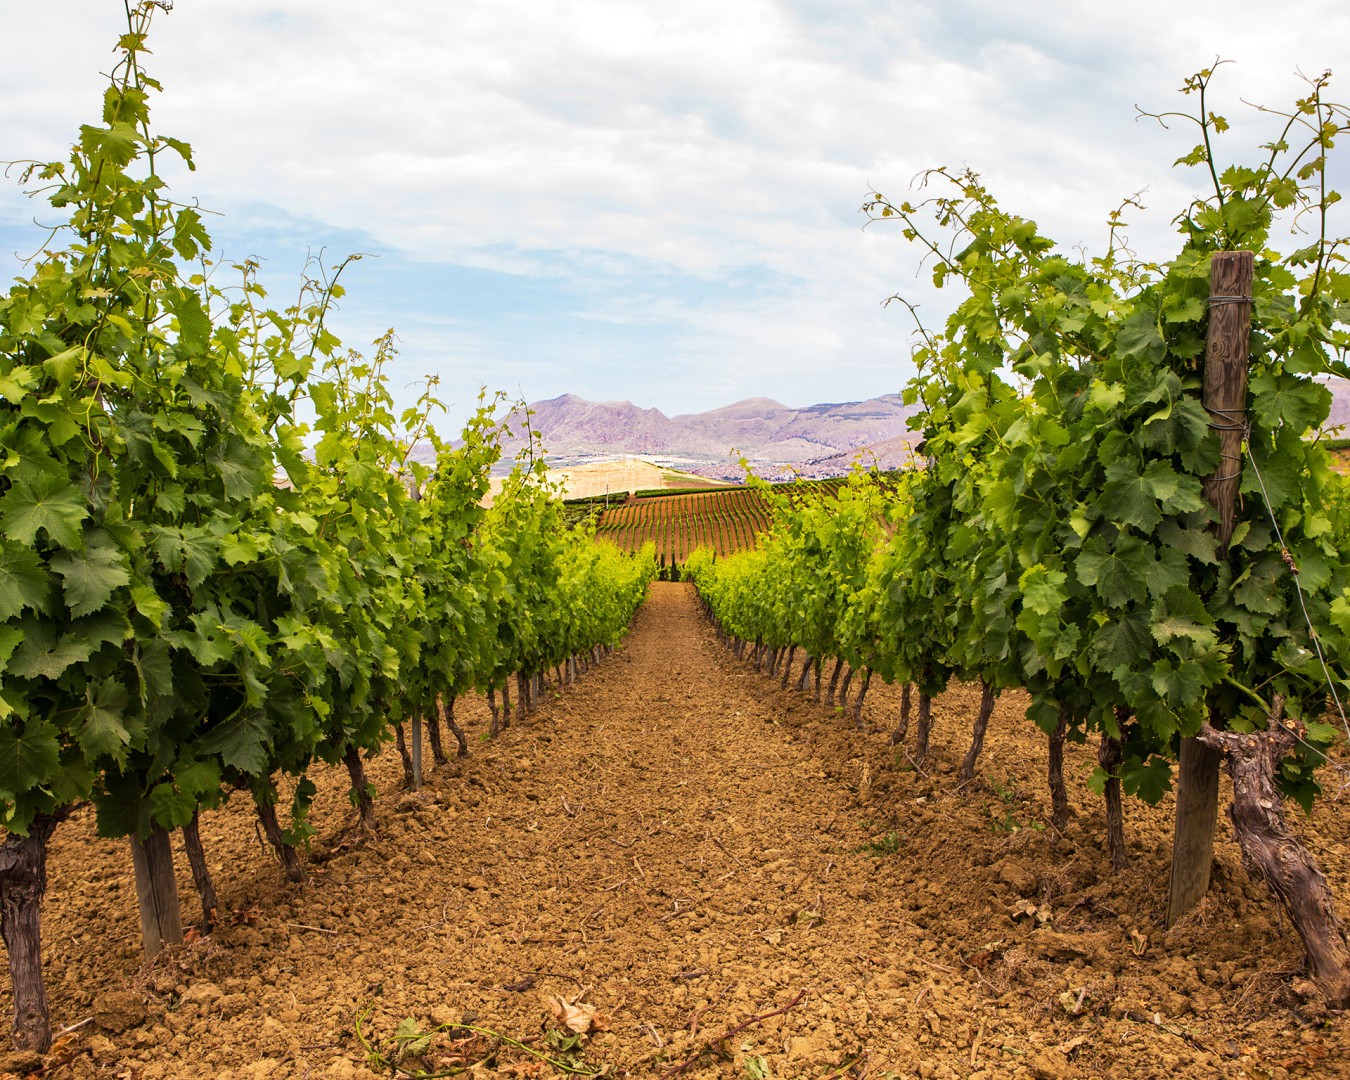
594, 143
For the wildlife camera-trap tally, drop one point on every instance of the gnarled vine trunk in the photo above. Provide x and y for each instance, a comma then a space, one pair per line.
495, 724
858, 701
977, 734
923, 726
787, 665
201, 873
23, 880
447, 709
415, 749
1270, 849
805, 676
834, 681
434, 735
902, 728
1059, 794
401, 741
290, 858
1109, 755
360, 792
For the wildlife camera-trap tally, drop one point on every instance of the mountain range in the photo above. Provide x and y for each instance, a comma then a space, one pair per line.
816, 440
764, 431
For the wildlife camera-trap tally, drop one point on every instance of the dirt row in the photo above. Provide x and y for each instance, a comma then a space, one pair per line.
674, 849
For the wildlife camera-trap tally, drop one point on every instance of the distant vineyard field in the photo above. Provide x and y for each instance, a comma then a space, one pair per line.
726, 520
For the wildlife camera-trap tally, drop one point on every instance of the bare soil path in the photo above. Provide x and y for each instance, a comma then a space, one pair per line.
682, 847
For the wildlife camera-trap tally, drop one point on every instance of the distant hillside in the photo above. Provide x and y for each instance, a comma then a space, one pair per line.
759, 428
618, 478
779, 441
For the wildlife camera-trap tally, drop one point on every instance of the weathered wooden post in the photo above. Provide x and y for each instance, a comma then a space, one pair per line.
1225, 398
156, 890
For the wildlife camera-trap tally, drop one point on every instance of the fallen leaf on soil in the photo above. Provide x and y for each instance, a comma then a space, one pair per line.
1028, 910
1073, 1044
979, 960
524, 1068
578, 1016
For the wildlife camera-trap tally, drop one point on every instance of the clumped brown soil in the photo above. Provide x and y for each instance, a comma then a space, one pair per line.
672, 849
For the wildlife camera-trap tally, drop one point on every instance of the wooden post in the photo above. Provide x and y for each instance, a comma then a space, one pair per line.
156, 890
1225, 396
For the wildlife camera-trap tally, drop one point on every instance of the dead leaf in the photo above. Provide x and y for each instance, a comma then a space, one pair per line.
524, 1068
1068, 1048
1027, 910
577, 1016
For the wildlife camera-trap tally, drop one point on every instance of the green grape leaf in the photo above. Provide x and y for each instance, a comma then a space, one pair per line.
1043, 589
170, 806
148, 603
47, 503
1119, 576
90, 577
242, 743
23, 581
1096, 782
63, 366
1177, 493
1123, 642
101, 725
10, 639
1149, 780
42, 656
194, 325
1182, 614
1139, 337
1258, 589
189, 551
116, 142
14, 387
1127, 496
153, 661
30, 756
1283, 400
1199, 544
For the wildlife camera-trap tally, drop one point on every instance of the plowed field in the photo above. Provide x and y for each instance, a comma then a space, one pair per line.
683, 848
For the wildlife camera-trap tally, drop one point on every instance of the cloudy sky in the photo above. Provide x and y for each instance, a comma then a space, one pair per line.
652, 201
